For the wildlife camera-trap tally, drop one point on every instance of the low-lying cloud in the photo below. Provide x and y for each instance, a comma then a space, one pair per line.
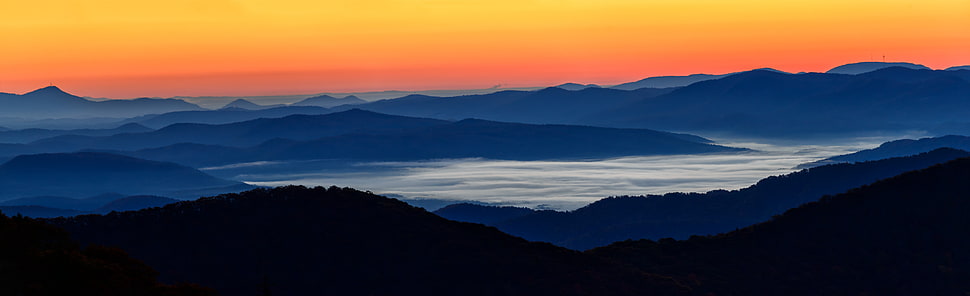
561, 185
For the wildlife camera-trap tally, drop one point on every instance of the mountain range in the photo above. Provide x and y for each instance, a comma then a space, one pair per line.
758, 103
680, 215
33, 134
245, 133
364, 135
222, 116
440, 140
52, 102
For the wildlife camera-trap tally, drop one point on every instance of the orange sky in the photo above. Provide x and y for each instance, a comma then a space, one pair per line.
124, 48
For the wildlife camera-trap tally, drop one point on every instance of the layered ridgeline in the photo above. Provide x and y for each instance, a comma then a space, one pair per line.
86, 174
60, 206
905, 235
318, 241
364, 135
51, 102
39, 259
899, 148
33, 134
222, 116
680, 215
247, 105
328, 101
463, 139
762, 103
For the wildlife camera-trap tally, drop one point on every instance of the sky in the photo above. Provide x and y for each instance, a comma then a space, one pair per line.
126, 49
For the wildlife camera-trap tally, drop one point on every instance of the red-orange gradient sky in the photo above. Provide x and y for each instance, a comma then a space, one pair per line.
125, 49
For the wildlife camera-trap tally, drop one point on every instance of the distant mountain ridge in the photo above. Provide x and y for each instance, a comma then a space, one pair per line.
440, 140
760, 103
33, 134
52, 102
326, 101
899, 148
245, 133
866, 67
677, 81
247, 105
576, 86
223, 116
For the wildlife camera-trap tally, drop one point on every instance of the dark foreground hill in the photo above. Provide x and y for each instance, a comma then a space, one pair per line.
680, 215
905, 235
40, 259
299, 241
85, 174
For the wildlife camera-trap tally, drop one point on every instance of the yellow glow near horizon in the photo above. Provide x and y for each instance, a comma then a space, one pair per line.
119, 49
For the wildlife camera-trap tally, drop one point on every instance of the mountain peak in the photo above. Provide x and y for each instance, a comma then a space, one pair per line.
48, 90
242, 104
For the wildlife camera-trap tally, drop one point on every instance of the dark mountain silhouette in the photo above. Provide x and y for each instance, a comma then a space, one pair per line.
548, 105
770, 104
900, 236
39, 259
299, 241
136, 202
463, 139
680, 215
576, 86
899, 148
329, 102
247, 105
865, 67
87, 173
482, 214
33, 134
247, 133
223, 116
52, 102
